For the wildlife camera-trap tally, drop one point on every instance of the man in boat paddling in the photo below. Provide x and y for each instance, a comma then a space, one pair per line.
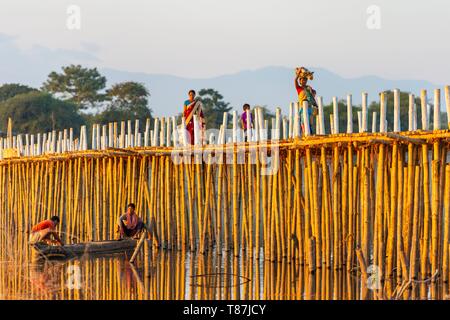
44, 230
129, 224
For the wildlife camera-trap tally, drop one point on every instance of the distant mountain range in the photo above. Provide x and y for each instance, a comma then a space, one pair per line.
270, 86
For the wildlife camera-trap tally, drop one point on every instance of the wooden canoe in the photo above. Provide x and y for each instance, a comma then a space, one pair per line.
78, 249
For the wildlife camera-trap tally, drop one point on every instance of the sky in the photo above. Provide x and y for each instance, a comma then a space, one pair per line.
206, 38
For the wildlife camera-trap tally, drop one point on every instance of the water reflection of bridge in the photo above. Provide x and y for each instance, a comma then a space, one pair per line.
177, 276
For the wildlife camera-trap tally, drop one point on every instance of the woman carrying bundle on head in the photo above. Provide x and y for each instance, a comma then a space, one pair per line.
305, 93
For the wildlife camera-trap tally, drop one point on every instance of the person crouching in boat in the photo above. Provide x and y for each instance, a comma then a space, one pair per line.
129, 224
44, 231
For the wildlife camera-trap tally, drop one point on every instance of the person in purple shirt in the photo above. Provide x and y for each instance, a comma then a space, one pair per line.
244, 124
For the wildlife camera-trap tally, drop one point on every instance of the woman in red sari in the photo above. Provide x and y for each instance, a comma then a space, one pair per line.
193, 107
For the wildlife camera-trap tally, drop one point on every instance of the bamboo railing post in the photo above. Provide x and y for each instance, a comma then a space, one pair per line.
336, 115
98, 137
349, 114
397, 125
411, 113
321, 117
296, 128
307, 130
383, 127
291, 120
437, 110
359, 115
374, 122
364, 111
423, 104
447, 103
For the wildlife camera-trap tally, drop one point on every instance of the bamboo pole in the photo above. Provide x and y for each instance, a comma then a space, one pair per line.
446, 223
447, 103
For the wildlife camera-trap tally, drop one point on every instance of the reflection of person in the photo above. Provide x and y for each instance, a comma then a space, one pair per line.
44, 278
305, 93
44, 230
193, 107
244, 123
129, 224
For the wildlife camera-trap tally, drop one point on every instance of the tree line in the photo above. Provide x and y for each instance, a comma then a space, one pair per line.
71, 98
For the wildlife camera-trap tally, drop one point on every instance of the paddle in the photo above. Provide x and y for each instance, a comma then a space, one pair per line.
138, 246
153, 233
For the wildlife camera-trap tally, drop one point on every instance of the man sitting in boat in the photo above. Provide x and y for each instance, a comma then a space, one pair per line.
44, 230
129, 224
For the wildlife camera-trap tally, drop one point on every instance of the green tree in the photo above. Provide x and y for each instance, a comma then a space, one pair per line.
39, 112
10, 90
76, 84
127, 100
213, 107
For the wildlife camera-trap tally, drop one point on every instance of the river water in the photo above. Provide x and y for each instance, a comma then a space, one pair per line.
174, 275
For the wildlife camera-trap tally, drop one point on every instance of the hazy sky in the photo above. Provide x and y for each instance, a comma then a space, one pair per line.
203, 38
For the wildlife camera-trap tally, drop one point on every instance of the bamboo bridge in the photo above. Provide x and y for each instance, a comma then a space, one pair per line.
330, 200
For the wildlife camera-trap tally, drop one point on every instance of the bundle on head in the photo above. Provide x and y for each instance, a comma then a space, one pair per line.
302, 72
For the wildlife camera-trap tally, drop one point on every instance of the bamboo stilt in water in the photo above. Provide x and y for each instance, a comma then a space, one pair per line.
351, 208
435, 233
415, 230
446, 245
250, 203
426, 215
378, 240
311, 254
235, 207
393, 215
257, 207
298, 197
365, 205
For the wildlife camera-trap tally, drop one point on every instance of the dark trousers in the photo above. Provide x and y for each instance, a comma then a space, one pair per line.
124, 231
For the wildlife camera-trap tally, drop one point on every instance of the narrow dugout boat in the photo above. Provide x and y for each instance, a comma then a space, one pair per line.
78, 249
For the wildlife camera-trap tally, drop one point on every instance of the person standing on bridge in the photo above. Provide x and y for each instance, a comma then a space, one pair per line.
305, 93
246, 124
193, 107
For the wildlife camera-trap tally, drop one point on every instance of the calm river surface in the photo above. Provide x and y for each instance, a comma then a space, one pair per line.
174, 275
